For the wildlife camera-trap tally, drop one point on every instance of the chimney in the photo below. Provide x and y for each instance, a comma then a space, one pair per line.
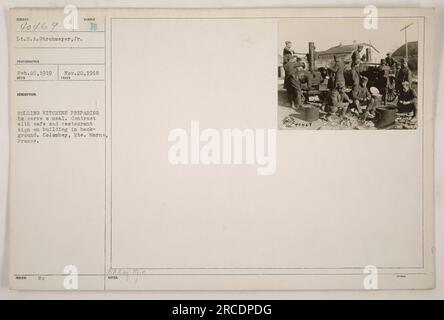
311, 56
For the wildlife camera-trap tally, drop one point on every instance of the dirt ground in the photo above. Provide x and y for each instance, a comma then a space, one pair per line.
290, 119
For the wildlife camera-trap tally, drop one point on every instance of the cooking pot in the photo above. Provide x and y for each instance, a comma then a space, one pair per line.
311, 114
385, 117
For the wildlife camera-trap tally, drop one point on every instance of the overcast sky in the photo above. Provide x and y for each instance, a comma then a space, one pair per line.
329, 32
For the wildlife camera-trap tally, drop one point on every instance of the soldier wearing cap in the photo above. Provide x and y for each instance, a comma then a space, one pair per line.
356, 55
407, 99
363, 97
404, 74
385, 68
391, 62
385, 72
288, 52
338, 100
356, 74
338, 68
293, 82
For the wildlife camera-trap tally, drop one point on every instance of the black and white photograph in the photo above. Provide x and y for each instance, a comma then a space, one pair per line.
349, 75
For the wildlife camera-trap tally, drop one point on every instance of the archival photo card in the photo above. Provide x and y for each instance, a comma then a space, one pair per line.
352, 75
177, 149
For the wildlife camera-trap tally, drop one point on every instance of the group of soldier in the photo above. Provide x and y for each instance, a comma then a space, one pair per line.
339, 102
400, 78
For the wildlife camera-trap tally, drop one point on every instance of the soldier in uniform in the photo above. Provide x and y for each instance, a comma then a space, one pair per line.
391, 62
363, 97
288, 52
356, 55
338, 100
356, 74
293, 82
385, 72
407, 99
338, 69
404, 74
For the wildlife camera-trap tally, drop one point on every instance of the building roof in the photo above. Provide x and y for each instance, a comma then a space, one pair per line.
344, 49
413, 49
